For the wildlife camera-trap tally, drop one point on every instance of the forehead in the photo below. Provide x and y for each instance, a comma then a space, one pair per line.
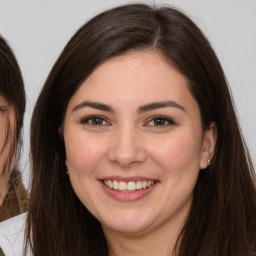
140, 75
133, 68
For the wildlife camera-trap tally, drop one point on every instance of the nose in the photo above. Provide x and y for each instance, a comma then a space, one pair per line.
126, 148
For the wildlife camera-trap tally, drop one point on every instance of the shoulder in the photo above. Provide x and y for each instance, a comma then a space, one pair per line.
12, 235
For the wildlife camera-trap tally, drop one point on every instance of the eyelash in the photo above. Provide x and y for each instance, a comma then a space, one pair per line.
88, 120
3, 108
167, 121
164, 121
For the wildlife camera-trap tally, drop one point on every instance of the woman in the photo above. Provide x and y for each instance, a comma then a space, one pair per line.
135, 144
12, 107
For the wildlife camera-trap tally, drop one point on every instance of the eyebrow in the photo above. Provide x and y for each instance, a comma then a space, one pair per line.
95, 105
142, 109
156, 105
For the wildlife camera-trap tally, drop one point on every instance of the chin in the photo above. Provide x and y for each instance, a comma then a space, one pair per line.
128, 224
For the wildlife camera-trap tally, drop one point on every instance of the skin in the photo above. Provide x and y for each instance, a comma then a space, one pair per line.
6, 113
165, 144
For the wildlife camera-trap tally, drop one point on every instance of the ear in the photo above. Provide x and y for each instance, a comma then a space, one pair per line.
208, 145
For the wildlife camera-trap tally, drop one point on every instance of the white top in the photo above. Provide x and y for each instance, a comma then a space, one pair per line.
12, 235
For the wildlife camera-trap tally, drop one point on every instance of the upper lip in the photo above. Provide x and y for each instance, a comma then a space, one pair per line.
127, 179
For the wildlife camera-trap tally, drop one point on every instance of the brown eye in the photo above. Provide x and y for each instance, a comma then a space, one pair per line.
97, 121
160, 121
94, 120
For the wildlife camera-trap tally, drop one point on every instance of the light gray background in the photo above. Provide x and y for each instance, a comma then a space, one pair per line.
38, 31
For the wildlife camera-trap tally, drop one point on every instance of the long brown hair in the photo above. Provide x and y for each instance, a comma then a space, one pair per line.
12, 89
222, 218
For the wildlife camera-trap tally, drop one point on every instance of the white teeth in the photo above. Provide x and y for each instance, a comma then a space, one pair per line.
150, 183
110, 184
138, 185
122, 185
115, 184
130, 186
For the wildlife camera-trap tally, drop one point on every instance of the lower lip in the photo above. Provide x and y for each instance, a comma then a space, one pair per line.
128, 196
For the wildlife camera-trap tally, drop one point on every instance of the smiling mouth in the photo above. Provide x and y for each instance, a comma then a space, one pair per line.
130, 186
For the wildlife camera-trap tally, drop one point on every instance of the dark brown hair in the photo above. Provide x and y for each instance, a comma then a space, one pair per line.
12, 89
222, 218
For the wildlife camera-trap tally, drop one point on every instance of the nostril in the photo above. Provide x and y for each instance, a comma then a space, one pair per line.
124, 159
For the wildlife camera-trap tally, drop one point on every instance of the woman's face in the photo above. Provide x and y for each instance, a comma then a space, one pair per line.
134, 143
7, 117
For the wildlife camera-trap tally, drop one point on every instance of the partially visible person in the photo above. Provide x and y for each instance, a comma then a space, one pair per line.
13, 196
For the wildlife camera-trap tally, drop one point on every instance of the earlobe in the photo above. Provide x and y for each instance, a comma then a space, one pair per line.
208, 146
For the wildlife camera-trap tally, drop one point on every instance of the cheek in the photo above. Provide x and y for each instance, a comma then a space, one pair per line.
83, 153
177, 154
3, 132
83, 156
4, 148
